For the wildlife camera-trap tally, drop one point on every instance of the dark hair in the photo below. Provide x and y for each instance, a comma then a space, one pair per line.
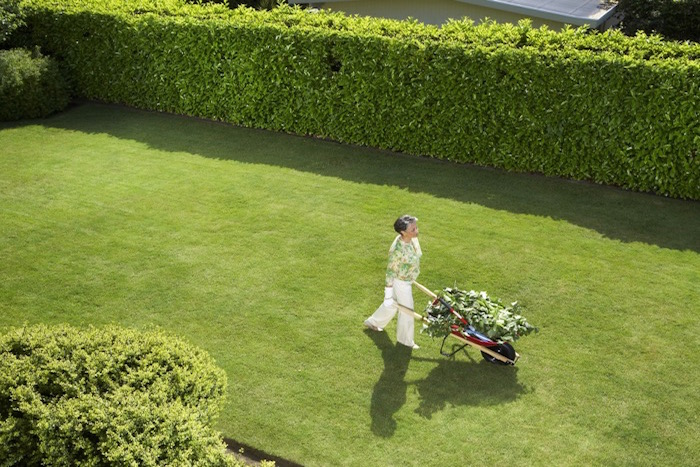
403, 222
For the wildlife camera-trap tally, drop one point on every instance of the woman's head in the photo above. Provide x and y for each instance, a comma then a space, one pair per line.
406, 225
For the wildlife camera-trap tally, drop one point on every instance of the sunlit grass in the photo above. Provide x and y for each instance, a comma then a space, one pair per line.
269, 250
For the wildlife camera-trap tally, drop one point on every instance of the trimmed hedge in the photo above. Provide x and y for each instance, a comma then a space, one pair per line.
31, 85
584, 105
107, 396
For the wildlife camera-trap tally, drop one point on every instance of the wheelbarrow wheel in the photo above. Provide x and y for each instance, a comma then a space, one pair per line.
504, 349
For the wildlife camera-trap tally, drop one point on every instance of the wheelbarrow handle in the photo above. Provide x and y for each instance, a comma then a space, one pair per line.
432, 295
413, 313
425, 290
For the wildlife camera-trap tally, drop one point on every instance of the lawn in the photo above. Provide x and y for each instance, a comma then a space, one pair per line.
268, 250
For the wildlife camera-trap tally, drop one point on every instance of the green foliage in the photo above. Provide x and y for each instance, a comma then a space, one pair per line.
10, 18
259, 4
107, 396
675, 19
31, 85
488, 316
578, 104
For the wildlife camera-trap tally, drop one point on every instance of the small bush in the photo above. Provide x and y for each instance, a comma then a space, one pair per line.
107, 396
31, 85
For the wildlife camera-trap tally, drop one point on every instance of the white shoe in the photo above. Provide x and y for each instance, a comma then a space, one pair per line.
372, 326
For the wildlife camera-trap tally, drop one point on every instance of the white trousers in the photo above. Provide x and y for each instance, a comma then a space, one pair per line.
404, 325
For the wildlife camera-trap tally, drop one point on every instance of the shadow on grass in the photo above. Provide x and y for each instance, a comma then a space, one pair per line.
458, 382
452, 382
389, 393
612, 212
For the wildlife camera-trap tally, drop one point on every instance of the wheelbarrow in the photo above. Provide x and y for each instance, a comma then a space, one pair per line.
501, 353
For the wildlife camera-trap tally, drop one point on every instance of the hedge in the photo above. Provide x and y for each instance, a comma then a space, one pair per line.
31, 85
10, 18
109, 396
593, 106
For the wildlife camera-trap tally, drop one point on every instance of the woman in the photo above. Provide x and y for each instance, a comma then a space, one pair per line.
403, 269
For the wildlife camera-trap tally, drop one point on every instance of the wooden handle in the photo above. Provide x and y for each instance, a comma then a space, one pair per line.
425, 290
411, 312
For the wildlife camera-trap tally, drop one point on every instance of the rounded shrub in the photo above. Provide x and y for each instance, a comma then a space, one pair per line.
31, 85
107, 396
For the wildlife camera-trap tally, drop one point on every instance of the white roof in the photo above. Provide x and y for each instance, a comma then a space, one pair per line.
576, 12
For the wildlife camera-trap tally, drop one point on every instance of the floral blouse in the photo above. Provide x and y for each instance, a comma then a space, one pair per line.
404, 261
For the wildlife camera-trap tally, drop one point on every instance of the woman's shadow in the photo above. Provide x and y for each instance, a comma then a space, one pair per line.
453, 382
390, 391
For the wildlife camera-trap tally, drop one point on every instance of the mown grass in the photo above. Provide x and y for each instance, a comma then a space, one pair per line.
269, 250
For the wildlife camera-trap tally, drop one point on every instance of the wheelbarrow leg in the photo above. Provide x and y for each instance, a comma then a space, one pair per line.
445, 354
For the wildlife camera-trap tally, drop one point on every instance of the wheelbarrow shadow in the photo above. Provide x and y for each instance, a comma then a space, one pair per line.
458, 382
452, 382
389, 393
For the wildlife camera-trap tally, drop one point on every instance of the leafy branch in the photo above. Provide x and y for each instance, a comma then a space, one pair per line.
502, 323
